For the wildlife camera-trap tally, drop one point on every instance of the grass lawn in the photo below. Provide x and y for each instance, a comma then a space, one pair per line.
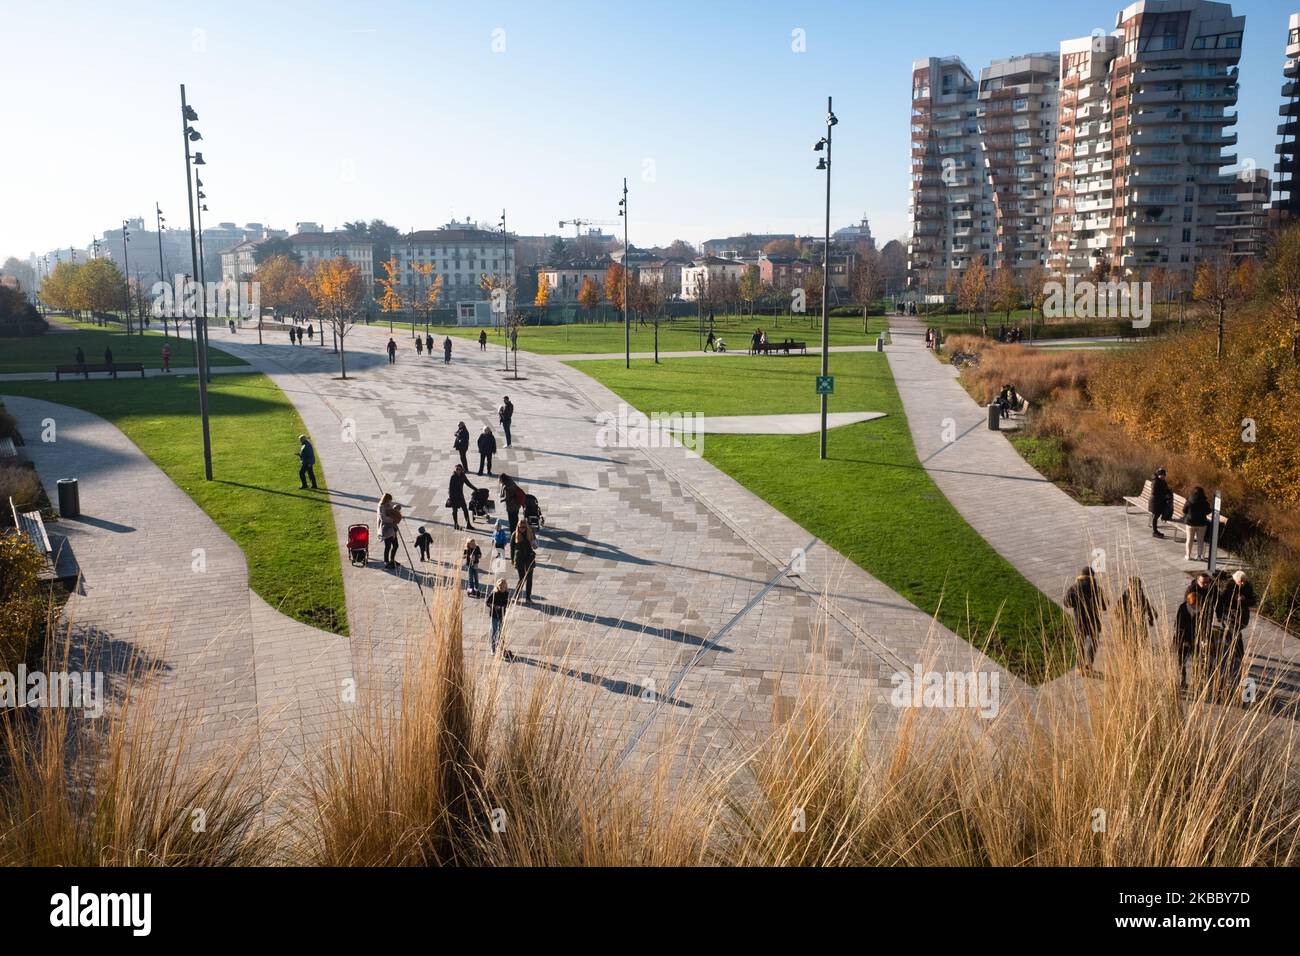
680, 335
40, 353
287, 536
871, 500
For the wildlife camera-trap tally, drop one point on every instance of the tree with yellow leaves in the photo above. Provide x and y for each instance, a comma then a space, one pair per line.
1217, 286
588, 294
1284, 280
391, 301
543, 297
336, 288
281, 286
614, 283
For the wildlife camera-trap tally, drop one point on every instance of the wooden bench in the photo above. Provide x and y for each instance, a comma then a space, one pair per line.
32, 525
1142, 503
85, 370
787, 347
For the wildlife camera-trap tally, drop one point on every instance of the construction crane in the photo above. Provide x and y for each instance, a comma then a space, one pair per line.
577, 224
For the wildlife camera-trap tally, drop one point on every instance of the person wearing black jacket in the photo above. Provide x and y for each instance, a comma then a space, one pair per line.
1236, 601
306, 461
1161, 504
1186, 624
482, 340
505, 415
456, 496
497, 601
1196, 515
460, 444
1085, 599
487, 447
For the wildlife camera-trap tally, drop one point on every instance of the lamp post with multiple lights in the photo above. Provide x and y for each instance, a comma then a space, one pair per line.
126, 273
627, 327
825, 163
162, 269
190, 134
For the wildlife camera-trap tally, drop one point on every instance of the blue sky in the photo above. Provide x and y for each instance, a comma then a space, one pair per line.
404, 111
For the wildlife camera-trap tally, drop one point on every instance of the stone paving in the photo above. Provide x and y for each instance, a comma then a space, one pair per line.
655, 568
1041, 530
244, 671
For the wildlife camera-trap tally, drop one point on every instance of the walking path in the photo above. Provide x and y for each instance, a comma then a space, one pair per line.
161, 581
1041, 530
731, 352
656, 570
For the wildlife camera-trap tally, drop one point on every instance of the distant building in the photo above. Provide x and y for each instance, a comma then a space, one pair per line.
460, 254
1243, 226
565, 279
706, 272
238, 263
749, 245
665, 273
859, 233
783, 272
312, 247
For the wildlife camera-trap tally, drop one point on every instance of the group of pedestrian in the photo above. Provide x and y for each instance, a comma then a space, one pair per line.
423, 344
931, 338
296, 331
758, 342
1208, 628
1013, 334
1198, 514
1008, 400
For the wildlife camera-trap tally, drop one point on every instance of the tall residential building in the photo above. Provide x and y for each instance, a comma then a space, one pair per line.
948, 221
1017, 116
312, 247
1243, 226
982, 165
1288, 197
1150, 101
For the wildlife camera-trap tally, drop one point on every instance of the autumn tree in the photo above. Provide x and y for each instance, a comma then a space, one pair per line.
1034, 289
390, 299
99, 286
614, 284
1284, 282
751, 286
1004, 294
336, 288
543, 297
972, 291
57, 291
868, 279
588, 294
1216, 286
782, 248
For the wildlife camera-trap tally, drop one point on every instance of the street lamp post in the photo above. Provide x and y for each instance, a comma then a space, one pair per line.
126, 274
627, 328
825, 163
162, 268
189, 133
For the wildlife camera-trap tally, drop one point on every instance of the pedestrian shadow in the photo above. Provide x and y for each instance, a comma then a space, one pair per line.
553, 484
613, 685
668, 634
598, 458
318, 497
573, 543
99, 523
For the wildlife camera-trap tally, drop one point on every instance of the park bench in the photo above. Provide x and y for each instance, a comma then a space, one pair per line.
32, 525
1142, 504
61, 370
786, 347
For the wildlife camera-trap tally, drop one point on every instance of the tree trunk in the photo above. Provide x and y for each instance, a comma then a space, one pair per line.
343, 365
1218, 346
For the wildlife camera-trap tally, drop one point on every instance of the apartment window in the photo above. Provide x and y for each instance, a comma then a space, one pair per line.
1187, 235
1187, 214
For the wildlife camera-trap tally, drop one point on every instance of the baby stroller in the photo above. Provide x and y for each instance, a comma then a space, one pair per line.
719, 346
533, 511
479, 503
359, 544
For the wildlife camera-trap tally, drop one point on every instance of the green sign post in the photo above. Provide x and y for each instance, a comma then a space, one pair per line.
825, 384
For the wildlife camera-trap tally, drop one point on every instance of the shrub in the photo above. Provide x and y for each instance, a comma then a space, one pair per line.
24, 601
18, 480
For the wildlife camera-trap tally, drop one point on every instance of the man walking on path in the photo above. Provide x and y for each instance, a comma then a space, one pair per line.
428, 343
307, 462
1087, 602
167, 357
505, 414
525, 556
108, 356
446, 351
392, 352
487, 447
1162, 502
482, 340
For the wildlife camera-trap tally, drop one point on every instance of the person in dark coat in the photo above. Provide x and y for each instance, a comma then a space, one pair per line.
419, 345
423, 542
446, 351
306, 461
1087, 602
512, 496
1187, 622
108, 356
498, 600
1161, 505
460, 444
81, 356
708, 343
482, 340
1237, 600
1196, 514
487, 447
311, 331
505, 415
392, 352
428, 343
1136, 609
524, 557
456, 497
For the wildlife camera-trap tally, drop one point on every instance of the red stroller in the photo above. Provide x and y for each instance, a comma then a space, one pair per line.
359, 544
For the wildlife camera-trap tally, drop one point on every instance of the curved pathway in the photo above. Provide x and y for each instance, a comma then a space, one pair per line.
1041, 530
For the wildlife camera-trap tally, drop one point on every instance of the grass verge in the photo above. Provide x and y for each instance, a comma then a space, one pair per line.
40, 353
871, 499
287, 536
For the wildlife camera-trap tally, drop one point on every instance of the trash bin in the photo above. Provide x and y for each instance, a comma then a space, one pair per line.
880, 343
995, 418
69, 498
